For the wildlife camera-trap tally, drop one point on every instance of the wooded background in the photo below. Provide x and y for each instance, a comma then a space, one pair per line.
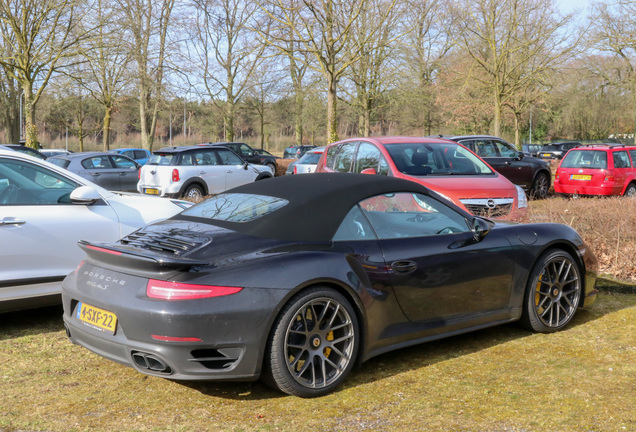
98, 74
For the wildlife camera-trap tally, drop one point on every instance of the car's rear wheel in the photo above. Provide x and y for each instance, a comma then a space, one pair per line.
540, 186
272, 167
193, 192
553, 292
631, 191
313, 344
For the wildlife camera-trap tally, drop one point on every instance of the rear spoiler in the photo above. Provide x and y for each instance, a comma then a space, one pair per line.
120, 256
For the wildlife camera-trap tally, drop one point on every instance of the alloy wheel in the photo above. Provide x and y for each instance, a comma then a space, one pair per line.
319, 343
557, 292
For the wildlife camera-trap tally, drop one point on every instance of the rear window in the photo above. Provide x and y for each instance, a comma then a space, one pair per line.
596, 159
161, 159
59, 162
309, 158
550, 147
236, 207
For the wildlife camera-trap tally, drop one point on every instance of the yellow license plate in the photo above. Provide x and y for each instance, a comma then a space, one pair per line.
580, 177
97, 318
152, 191
547, 155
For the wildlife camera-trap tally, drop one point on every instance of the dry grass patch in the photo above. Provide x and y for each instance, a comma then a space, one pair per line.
608, 226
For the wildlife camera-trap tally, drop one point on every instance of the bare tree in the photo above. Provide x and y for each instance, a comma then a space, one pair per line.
324, 29
105, 73
146, 24
422, 52
513, 42
39, 37
614, 32
227, 51
373, 73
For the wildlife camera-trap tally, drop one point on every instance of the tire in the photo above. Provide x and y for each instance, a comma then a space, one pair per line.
540, 186
553, 292
193, 192
631, 191
272, 167
307, 358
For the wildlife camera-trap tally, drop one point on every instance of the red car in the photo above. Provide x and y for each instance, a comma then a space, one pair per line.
445, 166
597, 170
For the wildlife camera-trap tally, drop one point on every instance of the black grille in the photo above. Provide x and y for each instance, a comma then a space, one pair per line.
222, 358
175, 241
485, 211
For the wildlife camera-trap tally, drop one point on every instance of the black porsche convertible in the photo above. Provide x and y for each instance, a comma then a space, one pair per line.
297, 279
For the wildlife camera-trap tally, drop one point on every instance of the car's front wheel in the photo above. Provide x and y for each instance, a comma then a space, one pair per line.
553, 292
540, 186
313, 344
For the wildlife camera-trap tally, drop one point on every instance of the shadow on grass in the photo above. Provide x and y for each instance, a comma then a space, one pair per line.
31, 322
407, 359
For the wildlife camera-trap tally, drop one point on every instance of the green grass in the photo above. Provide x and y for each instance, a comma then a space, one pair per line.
499, 379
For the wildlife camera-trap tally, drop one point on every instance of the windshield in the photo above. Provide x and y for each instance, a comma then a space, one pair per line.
428, 159
585, 159
236, 207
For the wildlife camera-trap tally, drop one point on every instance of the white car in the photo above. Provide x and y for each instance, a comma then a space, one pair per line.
44, 211
195, 171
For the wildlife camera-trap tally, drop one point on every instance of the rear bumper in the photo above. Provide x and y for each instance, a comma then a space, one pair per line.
582, 189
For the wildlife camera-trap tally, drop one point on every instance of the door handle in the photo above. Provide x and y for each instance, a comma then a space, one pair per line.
10, 221
403, 266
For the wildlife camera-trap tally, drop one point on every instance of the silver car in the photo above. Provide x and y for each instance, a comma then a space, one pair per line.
109, 170
44, 211
307, 162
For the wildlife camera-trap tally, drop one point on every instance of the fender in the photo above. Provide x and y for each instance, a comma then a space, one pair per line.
197, 180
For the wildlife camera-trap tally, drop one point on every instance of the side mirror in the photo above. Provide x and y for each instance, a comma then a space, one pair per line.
368, 171
245, 165
480, 228
521, 155
85, 195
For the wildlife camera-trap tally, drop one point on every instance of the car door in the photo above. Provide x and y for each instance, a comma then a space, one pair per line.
40, 228
438, 270
128, 172
622, 168
101, 170
236, 173
205, 165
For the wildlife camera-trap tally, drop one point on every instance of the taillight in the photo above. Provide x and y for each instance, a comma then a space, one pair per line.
101, 249
175, 175
609, 176
295, 169
166, 290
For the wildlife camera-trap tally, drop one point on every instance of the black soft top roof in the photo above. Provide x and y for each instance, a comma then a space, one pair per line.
317, 203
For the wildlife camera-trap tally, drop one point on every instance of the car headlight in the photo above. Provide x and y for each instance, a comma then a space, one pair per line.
522, 199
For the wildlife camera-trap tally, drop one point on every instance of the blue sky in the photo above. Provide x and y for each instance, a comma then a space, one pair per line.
571, 5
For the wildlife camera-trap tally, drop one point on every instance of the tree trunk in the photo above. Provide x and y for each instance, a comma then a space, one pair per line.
298, 117
106, 128
332, 115
31, 130
497, 119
